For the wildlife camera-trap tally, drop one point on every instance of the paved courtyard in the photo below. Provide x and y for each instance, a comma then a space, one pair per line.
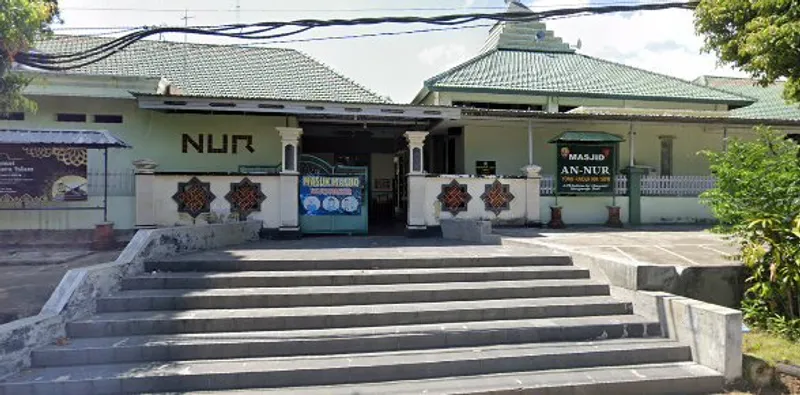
665, 245
28, 275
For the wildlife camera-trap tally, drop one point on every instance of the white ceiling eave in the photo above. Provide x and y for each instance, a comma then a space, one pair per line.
356, 110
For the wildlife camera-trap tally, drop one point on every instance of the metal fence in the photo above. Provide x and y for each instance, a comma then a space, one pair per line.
676, 185
120, 183
548, 185
687, 186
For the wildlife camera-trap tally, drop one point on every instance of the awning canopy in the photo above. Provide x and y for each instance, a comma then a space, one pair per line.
587, 137
68, 138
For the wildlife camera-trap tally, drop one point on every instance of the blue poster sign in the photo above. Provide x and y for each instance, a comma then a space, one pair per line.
331, 195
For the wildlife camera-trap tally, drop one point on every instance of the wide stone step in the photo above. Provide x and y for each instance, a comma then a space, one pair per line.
677, 378
194, 264
231, 298
340, 369
318, 317
340, 340
293, 278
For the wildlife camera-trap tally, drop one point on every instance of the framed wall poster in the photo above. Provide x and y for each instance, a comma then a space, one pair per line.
331, 195
43, 173
486, 168
382, 184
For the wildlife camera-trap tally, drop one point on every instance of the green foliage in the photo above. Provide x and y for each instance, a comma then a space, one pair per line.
757, 202
758, 36
22, 22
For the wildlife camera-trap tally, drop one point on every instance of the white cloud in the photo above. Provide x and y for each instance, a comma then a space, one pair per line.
660, 41
443, 56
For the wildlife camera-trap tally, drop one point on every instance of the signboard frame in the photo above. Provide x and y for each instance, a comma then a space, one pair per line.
611, 191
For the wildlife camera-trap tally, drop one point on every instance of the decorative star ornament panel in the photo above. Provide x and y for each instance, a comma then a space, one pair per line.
497, 197
245, 197
454, 197
194, 197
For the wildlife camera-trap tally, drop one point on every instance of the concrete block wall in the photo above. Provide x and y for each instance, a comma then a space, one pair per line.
166, 209
476, 209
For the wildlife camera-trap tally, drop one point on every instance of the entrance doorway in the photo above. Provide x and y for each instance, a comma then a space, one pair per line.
376, 160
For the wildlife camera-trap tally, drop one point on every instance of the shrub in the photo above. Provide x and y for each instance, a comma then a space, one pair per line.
757, 202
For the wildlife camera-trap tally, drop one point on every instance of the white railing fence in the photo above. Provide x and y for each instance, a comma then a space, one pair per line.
676, 185
548, 185
651, 186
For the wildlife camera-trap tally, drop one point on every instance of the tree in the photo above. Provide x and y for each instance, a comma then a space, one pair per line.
22, 23
757, 201
760, 37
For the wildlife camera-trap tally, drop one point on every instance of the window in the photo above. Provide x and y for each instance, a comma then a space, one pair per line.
666, 155
104, 118
71, 117
12, 116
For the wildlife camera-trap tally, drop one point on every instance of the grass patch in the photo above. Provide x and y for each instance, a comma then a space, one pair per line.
771, 348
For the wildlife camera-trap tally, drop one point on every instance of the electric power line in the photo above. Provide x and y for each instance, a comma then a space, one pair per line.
269, 30
349, 10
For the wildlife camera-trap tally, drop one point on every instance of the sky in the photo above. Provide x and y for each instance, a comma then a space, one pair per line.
396, 66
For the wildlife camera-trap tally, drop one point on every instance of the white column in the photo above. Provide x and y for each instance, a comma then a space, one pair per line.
632, 146
530, 141
290, 139
533, 181
145, 188
724, 139
416, 154
416, 182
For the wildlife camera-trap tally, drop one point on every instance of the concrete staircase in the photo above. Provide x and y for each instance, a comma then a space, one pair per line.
472, 325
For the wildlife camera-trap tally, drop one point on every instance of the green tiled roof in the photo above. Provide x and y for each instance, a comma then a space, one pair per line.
769, 105
222, 70
570, 74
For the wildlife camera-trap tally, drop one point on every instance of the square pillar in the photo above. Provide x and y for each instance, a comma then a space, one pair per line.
635, 175
145, 178
290, 215
533, 181
415, 224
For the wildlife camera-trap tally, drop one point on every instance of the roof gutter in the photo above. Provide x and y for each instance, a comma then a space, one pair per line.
355, 110
468, 113
743, 101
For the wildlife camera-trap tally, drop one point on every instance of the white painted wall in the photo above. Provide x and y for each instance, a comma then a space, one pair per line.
476, 208
664, 210
583, 210
166, 210
120, 212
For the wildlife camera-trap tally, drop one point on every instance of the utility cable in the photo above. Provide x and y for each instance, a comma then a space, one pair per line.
267, 30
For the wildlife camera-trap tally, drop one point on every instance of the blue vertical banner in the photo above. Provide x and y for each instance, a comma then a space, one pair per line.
331, 195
